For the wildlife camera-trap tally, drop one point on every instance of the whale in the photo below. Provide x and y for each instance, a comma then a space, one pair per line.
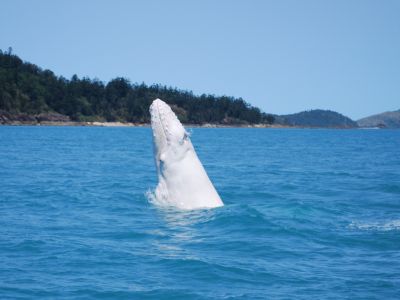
182, 180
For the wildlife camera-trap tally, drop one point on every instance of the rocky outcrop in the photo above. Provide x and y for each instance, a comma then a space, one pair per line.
22, 118
52, 117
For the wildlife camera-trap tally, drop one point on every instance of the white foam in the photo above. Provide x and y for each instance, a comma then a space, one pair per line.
378, 226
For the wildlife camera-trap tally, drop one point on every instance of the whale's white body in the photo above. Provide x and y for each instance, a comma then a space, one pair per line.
182, 181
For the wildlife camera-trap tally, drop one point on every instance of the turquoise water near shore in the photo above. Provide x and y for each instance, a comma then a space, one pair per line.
309, 214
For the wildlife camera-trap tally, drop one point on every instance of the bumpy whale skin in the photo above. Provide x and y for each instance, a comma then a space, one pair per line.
182, 181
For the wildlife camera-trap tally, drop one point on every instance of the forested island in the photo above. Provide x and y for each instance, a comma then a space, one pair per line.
30, 93
316, 118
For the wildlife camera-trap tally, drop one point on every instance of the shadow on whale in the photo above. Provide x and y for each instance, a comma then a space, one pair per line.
182, 181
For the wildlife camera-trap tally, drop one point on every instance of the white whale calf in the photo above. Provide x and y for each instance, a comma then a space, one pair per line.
182, 181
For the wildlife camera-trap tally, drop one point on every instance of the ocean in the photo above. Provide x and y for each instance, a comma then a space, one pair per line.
309, 214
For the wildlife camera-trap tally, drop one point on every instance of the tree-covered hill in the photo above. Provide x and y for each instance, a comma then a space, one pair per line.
317, 118
26, 89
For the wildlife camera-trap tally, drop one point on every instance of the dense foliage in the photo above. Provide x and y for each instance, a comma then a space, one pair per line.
317, 118
26, 88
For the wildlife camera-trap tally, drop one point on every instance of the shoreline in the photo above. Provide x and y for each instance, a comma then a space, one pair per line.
128, 124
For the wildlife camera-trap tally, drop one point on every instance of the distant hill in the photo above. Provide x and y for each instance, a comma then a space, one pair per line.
316, 118
390, 119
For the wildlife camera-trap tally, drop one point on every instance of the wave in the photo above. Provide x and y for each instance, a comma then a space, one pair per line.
378, 226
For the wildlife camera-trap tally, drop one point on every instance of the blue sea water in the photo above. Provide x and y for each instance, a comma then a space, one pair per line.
309, 214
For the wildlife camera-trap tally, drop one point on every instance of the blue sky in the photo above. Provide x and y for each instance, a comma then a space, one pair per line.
283, 56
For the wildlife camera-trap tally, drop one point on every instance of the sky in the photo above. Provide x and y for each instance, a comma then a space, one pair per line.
282, 56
